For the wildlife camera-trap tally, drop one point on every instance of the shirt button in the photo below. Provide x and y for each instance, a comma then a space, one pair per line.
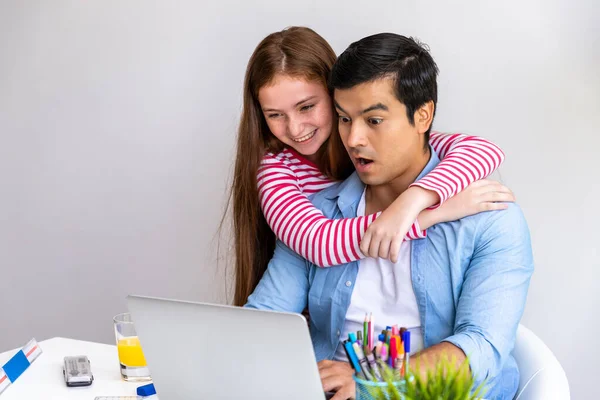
338, 332
348, 283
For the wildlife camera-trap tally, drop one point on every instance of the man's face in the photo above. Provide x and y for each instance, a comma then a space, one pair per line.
376, 132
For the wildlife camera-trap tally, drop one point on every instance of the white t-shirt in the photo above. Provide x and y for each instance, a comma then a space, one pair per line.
385, 289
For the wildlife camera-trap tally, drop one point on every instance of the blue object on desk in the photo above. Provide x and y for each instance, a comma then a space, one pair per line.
146, 390
352, 337
16, 366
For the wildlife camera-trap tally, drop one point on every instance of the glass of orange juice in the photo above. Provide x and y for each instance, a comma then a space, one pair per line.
131, 357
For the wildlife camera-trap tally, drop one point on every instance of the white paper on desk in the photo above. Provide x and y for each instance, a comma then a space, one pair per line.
32, 351
4, 382
152, 397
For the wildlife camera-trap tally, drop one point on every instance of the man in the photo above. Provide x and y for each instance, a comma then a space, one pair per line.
462, 288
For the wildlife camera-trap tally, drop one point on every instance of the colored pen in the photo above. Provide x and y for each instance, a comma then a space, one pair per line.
373, 365
365, 327
384, 352
393, 353
406, 351
378, 349
400, 359
371, 331
352, 337
399, 352
362, 360
353, 359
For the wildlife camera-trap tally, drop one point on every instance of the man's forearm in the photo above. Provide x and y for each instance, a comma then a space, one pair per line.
428, 359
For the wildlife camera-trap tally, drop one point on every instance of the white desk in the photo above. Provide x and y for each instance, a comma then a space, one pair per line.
43, 380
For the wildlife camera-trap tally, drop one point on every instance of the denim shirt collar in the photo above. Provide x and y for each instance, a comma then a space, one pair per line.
349, 192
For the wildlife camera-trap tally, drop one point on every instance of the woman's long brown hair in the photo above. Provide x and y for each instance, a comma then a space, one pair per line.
299, 52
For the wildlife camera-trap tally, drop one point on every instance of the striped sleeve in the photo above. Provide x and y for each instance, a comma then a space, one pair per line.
463, 160
303, 227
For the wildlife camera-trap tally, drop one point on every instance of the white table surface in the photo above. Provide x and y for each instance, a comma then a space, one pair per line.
44, 380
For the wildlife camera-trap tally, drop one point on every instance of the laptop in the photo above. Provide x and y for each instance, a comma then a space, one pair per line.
200, 351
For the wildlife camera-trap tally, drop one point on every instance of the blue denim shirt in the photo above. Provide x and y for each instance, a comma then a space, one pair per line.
470, 279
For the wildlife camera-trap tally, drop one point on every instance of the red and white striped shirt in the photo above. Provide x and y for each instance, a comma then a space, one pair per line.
285, 181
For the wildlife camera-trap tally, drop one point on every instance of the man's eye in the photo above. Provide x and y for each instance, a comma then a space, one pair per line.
307, 107
375, 121
343, 120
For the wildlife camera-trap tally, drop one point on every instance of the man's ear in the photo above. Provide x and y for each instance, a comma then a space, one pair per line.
424, 116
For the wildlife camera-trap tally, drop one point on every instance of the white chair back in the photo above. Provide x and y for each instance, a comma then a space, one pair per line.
541, 375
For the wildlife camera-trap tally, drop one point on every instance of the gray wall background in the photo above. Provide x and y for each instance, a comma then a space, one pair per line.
118, 119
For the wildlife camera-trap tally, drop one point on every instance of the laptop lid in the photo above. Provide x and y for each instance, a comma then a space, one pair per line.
208, 351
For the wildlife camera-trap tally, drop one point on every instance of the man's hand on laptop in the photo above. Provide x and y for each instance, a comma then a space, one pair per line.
336, 376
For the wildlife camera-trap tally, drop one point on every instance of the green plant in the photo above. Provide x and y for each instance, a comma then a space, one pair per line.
445, 382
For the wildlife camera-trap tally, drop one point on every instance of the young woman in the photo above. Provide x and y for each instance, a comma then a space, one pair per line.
288, 149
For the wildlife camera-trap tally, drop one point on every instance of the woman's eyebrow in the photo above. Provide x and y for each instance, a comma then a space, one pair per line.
296, 105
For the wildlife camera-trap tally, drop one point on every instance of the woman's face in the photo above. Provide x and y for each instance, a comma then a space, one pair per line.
298, 112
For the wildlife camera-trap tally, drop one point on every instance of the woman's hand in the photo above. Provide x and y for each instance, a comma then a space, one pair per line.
480, 196
385, 235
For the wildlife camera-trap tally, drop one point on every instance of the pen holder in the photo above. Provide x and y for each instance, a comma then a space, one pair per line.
370, 390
